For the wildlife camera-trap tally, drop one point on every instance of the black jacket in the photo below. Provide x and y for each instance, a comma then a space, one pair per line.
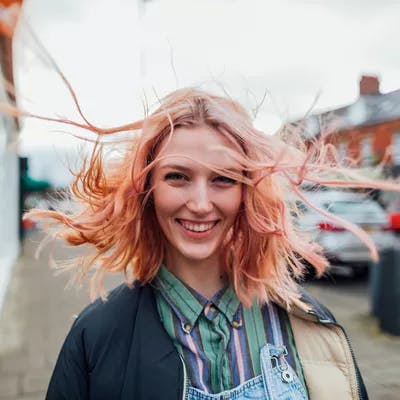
119, 349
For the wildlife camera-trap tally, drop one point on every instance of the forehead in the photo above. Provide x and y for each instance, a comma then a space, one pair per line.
202, 144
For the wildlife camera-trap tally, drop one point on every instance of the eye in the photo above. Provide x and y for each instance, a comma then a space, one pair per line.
224, 179
175, 176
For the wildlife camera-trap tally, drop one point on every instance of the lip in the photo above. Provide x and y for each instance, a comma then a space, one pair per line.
197, 235
192, 221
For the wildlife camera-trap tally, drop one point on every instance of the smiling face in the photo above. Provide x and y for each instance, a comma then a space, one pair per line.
195, 206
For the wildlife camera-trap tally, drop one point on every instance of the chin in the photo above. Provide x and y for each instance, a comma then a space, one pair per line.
199, 255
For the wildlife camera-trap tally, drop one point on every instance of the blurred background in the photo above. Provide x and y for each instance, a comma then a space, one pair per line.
318, 63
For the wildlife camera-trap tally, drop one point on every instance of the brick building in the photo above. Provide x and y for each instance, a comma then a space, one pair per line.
365, 130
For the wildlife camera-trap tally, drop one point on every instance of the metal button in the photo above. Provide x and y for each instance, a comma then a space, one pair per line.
187, 327
212, 308
287, 376
237, 324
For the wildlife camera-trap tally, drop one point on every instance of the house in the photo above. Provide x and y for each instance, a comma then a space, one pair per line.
366, 130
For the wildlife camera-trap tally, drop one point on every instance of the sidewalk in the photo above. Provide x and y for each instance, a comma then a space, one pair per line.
36, 316
38, 312
377, 354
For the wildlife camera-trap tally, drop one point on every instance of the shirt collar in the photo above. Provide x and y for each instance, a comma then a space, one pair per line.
189, 304
228, 303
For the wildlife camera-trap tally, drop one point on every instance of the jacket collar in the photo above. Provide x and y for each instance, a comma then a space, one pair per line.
307, 307
304, 306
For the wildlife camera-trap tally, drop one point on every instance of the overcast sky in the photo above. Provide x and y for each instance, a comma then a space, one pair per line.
291, 49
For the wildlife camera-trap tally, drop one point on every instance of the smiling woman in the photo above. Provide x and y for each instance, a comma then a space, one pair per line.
195, 206
197, 215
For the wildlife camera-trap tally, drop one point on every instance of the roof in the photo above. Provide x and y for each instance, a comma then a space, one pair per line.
365, 111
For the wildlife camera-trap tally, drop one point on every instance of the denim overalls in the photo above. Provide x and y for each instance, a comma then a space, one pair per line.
278, 380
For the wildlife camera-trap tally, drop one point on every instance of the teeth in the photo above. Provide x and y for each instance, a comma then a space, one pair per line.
197, 227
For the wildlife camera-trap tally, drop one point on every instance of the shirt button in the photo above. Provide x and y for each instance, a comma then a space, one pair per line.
212, 308
237, 324
187, 327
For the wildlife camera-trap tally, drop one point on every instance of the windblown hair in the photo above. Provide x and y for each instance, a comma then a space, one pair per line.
264, 255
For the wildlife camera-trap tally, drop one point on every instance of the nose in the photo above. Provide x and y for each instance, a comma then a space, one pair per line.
200, 201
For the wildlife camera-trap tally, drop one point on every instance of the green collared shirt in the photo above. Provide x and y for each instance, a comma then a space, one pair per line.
219, 339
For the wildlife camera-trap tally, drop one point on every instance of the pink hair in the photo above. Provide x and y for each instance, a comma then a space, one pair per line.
264, 254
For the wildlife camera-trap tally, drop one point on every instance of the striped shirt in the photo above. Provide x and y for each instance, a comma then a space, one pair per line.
219, 339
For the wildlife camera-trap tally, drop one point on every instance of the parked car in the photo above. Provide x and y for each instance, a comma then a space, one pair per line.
343, 248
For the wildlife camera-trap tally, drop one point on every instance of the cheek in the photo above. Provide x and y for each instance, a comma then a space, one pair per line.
231, 202
166, 201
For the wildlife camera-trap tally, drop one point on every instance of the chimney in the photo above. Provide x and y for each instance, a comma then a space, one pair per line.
369, 85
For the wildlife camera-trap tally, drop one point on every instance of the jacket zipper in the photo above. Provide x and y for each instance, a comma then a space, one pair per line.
185, 378
330, 322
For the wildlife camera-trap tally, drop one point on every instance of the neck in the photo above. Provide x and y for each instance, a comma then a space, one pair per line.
205, 277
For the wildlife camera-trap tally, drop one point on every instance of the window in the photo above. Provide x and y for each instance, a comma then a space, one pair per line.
395, 150
366, 150
342, 150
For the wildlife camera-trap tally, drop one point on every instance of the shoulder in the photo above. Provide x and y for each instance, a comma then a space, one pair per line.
101, 316
108, 322
321, 311
308, 305
97, 343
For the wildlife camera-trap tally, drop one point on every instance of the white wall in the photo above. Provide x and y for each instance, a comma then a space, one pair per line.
9, 199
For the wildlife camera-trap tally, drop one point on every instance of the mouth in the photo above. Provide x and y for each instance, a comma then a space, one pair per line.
197, 227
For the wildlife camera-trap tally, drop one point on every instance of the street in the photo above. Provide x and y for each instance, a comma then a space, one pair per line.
38, 311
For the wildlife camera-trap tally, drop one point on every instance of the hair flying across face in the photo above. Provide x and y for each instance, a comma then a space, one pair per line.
263, 254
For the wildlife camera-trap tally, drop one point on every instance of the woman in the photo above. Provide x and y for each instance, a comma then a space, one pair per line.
197, 215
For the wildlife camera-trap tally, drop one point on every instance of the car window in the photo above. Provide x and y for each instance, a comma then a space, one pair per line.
301, 207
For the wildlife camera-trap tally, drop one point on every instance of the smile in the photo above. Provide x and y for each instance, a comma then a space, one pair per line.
197, 226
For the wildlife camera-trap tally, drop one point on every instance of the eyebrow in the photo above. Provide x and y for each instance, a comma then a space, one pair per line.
175, 166
187, 169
